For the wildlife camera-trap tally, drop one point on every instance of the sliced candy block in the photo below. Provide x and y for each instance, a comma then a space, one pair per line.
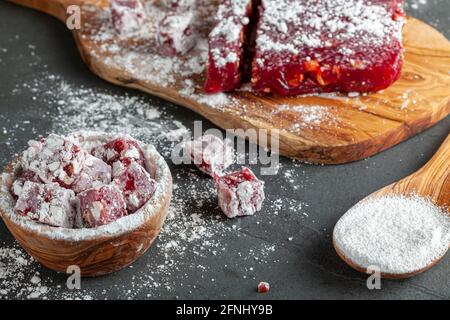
55, 159
101, 206
240, 193
47, 203
127, 16
211, 154
226, 45
329, 45
95, 173
176, 34
17, 185
135, 183
118, 150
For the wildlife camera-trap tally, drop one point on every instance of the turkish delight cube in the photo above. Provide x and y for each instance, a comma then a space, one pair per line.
17, 186
127, 16
135, 183
305, 46
226, 45
211, 154
95, 173
176, 34
55, 159
101, 206
47, 203
119, 150
240, 193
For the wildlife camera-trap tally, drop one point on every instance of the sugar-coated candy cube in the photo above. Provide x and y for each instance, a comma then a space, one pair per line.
240, 193
101, 206
47, 203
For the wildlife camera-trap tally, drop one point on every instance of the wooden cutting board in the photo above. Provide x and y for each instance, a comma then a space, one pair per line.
328, 129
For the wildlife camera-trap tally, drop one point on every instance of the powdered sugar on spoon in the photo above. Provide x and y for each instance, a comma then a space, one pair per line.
403, 229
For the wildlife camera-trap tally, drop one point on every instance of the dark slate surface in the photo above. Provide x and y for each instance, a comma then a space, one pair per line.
303, 268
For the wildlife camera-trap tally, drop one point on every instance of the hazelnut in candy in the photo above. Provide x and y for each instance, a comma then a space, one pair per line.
118, 150
240, 193
134, 182
176, 34
101, 206
127, 16
47, 203
211, 154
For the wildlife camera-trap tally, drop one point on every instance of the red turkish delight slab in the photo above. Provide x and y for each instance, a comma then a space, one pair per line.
101, 206
226, 45
127, 16
306, 46
119, 150
240, 193
211, 154
47, 203
135, 183
95, 173
55, 159
176, 33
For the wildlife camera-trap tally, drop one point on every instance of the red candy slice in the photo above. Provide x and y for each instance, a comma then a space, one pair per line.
226, 45
101, 206
135, 183
211, 154
119, 150
47, 203
240, 193
329, 45
176, 34
127, 16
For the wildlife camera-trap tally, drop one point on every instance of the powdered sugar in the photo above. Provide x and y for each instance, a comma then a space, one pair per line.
395, 233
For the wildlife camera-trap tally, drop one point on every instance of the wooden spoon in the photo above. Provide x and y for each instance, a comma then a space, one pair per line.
432, 181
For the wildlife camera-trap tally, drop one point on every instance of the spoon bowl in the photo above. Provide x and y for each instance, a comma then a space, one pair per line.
431, 182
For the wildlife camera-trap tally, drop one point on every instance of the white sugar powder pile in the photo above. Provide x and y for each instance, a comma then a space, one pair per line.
395, 233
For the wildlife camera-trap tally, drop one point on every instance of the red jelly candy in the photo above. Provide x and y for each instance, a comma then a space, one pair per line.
329, 45
263, 287
135, 183
211, 154
127, 16
47, 203
101, 206
176, 34
226, 46
119, 150
240, 193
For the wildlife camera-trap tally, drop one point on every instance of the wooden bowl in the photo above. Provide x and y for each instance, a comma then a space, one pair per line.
97, 251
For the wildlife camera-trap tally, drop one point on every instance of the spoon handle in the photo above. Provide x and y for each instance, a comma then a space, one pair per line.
434, 178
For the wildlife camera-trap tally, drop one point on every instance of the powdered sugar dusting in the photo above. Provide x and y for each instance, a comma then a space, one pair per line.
395, 233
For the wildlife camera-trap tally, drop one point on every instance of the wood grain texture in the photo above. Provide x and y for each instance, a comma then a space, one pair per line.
95, 255
355, 128
431, 181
